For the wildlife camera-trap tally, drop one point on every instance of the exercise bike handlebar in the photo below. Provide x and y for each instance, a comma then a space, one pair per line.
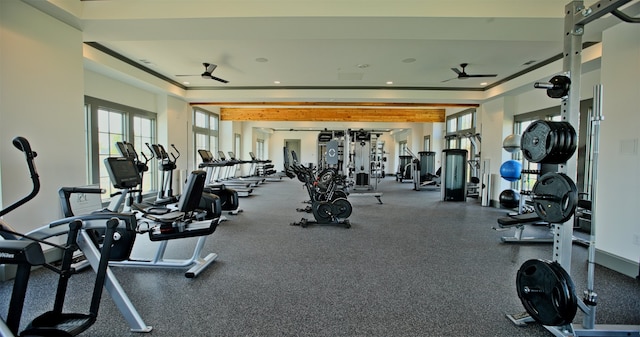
151, 150
175, 158
23, 145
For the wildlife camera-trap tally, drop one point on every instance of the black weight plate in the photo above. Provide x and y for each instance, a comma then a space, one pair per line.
569, 302
558, 129
555, 197
546, 292
548, 142
560, 88
342, 208
556, 154
339, 194
322, 211
535, 141
326, 175
566, 145
572, 141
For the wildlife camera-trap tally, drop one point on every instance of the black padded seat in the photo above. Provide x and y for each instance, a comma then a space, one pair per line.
509, 221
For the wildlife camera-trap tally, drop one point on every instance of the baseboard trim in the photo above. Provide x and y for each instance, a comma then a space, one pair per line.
616, 263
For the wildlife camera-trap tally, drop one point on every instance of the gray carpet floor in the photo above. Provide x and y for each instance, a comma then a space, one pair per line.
412, 266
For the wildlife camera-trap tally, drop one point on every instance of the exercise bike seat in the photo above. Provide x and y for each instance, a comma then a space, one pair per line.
180, 224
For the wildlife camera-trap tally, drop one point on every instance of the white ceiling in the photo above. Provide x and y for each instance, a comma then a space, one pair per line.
321, 45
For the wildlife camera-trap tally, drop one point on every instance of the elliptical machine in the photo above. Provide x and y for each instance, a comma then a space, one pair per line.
166, 165
28, 253
127, 150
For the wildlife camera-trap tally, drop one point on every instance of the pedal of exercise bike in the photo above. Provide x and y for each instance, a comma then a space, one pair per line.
59, 324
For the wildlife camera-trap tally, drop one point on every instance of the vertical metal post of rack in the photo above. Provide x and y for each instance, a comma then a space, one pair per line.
570, 112
576, 17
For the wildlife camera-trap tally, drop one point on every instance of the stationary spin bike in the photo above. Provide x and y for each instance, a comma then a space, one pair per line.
329, 205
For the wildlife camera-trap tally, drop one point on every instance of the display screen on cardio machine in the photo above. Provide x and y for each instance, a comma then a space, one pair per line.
206, 156
123, 172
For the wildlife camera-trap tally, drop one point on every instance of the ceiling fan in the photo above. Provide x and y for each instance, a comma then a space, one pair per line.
207, 74
462, 74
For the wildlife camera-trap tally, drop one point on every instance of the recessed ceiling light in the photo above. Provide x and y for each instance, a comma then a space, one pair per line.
389, 82
484, 83
276, 82
185, 82
262, 59
409, 60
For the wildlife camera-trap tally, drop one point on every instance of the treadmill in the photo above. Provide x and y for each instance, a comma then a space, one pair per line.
216, 174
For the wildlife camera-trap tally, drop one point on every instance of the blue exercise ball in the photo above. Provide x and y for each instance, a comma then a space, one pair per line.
511, 170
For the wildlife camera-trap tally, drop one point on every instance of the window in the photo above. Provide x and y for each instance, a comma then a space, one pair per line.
452, 124
461, 126
426, 146
260, 149
237, 145
144, 133
205, 132
461, 134
452, 143
402, 148
110, 130
108, 123
461, 123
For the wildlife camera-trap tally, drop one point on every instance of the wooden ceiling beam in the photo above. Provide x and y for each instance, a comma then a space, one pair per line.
346, 104
333, 114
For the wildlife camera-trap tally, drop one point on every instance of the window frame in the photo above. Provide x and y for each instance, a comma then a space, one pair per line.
211, 133
92, 135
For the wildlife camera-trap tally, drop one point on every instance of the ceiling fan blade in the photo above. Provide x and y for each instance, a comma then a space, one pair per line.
185, 75
219, 79
455, 70
451, 79
487, 75
209, 67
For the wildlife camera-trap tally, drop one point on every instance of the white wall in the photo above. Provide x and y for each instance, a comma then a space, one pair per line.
41, 99
179, 120
496, 119
618, 224
108, 89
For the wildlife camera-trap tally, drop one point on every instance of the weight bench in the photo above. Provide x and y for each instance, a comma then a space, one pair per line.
520, 221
